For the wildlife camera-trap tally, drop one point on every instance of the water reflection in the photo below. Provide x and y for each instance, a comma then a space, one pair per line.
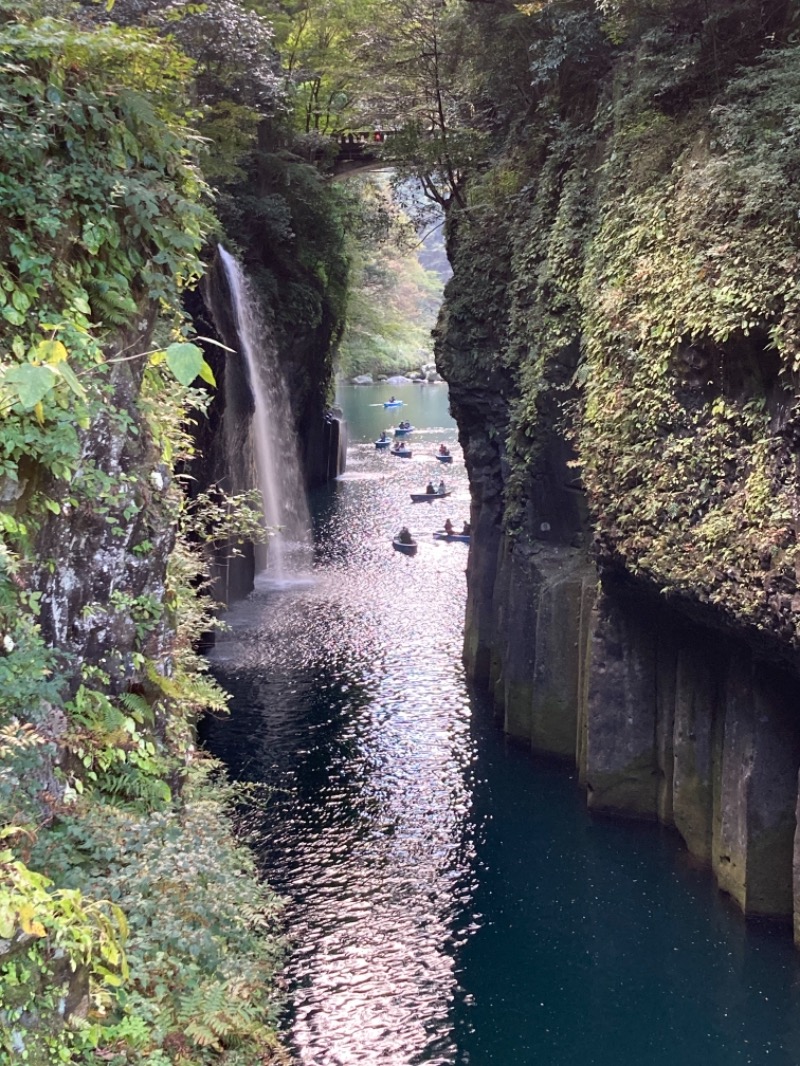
449, 900
349, 706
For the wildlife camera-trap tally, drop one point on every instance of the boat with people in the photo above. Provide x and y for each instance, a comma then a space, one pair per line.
384, 441
406, 549
444, 458
393, 403
401, 452
422, 497
404, 542
403, 429
451, 533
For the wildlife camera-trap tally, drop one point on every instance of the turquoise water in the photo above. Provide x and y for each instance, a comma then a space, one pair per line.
448, 897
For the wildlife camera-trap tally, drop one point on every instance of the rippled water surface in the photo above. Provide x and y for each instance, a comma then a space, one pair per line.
448, 898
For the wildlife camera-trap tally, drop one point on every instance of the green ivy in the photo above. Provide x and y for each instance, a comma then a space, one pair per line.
150, 919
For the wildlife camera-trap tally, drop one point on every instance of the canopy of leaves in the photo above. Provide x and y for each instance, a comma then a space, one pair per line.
400, 65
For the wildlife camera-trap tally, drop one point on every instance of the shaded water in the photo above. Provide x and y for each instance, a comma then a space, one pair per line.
449, 899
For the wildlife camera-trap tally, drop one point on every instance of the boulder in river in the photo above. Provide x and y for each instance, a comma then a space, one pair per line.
363, 379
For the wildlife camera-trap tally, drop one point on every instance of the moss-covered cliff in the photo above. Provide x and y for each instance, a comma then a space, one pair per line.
621, 340
133, 925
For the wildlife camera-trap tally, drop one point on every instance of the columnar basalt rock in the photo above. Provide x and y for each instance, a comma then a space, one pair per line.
559, 655
696, 717
621, 756
760, 752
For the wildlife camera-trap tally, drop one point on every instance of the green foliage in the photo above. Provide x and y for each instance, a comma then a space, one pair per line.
101, 223
393, 299
379, 65
647, 239
41, 928
112, 215
202, 948
323, 44
236, 80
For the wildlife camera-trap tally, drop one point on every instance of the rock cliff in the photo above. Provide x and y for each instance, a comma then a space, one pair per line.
621, 341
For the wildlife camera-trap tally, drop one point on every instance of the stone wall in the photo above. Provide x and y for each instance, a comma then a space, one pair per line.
666, 720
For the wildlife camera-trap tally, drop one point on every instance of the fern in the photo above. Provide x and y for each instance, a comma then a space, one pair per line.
137, 707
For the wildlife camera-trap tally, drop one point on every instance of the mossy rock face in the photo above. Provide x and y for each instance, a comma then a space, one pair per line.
626, 282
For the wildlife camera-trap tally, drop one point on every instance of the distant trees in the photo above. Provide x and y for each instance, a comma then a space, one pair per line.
387, 64
393, 299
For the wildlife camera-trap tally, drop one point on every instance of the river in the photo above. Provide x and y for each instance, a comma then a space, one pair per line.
449, 900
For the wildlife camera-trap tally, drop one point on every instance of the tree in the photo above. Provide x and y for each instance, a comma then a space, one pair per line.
398, 65
393, 298
418, 80
324, 46
237, 78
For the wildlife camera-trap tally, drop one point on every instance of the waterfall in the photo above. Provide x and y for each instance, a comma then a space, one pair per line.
273, 436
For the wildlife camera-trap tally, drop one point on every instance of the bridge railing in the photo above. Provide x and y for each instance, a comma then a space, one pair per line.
355, 143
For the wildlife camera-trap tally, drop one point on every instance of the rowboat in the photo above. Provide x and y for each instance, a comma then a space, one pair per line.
429, 497
441, 535
406, 549
444, 458
392, 403
401, 453
403, 432
382, 443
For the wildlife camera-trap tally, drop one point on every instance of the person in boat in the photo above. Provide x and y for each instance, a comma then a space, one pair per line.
404, 536
383, 436
443, 449
431, 491
392, 399
441, 489
448, 527
465, 530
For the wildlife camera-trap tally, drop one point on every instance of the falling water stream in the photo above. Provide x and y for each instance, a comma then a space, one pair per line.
274, 438
449, 899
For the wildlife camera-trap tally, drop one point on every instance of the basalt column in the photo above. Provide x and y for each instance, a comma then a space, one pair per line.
754, 824
621, 714
684, 725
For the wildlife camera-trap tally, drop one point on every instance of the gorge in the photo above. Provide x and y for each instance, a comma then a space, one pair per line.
620, 345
